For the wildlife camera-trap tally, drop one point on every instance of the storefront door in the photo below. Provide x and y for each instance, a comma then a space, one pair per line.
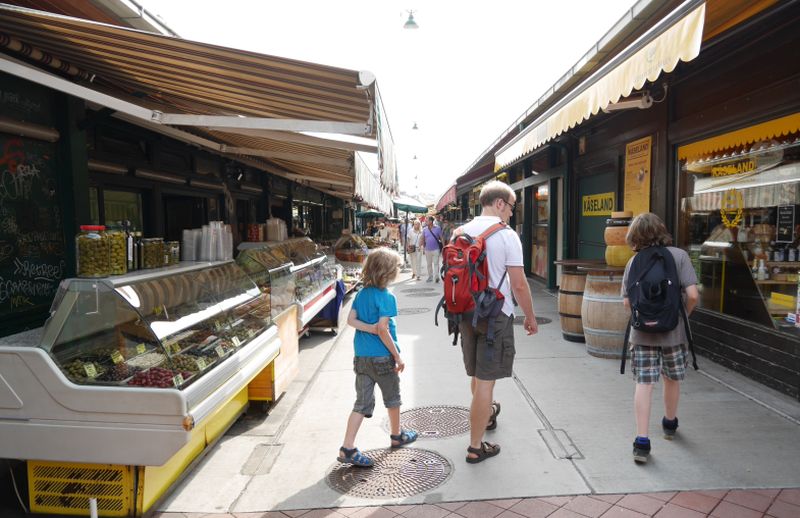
594, 193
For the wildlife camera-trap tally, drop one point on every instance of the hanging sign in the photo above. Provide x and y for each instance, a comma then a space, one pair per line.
637, 175
598, 204
785, 224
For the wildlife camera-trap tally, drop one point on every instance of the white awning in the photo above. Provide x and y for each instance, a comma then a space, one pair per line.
676, 38
368, 186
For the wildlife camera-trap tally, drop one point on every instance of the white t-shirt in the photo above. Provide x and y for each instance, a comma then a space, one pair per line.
503, 249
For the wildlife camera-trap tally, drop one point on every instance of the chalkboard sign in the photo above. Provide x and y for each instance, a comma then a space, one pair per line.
785, 224
32, 247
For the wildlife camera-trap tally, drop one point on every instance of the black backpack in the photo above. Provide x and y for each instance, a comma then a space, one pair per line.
654, 292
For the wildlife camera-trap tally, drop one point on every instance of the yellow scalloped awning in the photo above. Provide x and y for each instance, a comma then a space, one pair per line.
764, 131
680, 42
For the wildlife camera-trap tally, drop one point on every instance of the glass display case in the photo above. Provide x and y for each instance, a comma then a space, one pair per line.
151, 330
272, 273
350, 250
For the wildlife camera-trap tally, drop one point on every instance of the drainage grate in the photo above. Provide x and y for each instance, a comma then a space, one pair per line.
412, 311
539, 320
435, 422
419, 290
396, 474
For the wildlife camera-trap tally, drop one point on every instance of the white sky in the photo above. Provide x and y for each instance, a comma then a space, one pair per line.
464, 76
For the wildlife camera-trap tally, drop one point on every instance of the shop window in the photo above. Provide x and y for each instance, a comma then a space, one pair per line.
121, 206
740, 223
540, 230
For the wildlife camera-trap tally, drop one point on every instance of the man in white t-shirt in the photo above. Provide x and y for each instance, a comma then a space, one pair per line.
504, 254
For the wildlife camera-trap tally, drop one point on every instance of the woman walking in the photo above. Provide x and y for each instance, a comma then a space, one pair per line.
414, 249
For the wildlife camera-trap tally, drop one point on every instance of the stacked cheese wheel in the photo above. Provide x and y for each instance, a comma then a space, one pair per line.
617, 251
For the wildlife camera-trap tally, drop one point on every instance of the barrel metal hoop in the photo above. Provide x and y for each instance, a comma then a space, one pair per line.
566, 292
568, 315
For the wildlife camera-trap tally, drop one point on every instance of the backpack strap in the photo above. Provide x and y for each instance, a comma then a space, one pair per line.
625, 345
689, 336
491, 230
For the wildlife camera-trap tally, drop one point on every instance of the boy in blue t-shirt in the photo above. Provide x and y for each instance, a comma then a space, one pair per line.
377, 355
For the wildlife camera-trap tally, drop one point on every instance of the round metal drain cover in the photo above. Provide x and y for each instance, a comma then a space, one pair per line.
518, 321
412, 311
434, 422
419, 290
396, 474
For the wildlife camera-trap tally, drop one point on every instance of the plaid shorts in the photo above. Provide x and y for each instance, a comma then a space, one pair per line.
649, 362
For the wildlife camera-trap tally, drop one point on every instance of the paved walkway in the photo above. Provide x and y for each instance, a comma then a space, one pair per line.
565, 428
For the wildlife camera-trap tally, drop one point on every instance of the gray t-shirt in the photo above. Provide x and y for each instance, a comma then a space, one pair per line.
688, 277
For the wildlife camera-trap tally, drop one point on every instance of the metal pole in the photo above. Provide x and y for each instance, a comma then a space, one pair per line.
405, 246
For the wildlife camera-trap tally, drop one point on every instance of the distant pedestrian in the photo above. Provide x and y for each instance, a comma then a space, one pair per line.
507, 274
377, 355
433, 248
653, 354
447, 231
414, 248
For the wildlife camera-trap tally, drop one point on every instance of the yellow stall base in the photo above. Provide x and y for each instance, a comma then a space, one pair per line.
262, 388
65, 488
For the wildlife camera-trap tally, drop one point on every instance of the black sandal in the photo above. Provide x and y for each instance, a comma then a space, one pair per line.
493, 418
486, 450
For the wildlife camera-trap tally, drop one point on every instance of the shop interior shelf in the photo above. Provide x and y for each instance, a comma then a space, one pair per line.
784, 264
768, 281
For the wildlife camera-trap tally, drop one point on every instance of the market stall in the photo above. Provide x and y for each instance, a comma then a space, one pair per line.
129, 380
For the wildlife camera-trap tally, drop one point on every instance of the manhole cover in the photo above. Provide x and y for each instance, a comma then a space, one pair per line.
518, 321
396, 474
412, 311
419, 290
434, 422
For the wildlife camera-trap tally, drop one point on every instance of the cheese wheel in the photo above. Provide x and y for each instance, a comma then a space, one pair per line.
615, 235
618, 255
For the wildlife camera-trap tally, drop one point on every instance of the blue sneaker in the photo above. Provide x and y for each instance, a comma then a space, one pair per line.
641, 449
669, 427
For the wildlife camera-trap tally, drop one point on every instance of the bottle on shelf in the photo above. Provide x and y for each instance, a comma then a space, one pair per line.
129, 252
754, 269
762, 274
791, 254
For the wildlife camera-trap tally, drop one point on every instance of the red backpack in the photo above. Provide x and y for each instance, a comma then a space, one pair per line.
465, 275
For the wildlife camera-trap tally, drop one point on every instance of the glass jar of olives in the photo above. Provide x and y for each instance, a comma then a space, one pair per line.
118, 244
153, 252
173, 248
93, 251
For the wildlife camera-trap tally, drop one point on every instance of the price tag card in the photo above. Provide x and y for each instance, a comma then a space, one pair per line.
116, 357
91, 372
201, 363
251, 333
217, 325
140, 349
220, 351
236, 341
177, 380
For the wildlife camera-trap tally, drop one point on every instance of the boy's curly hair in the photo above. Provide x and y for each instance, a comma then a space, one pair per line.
381, 267
645, 230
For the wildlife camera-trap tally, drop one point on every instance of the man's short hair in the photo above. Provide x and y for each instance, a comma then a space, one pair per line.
495, 190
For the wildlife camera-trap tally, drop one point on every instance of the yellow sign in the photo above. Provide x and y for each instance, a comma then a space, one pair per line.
598, 204
637, 175
742, 166
731, 209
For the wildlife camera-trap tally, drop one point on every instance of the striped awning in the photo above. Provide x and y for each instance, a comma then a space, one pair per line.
242, 103
448, 197
676, 38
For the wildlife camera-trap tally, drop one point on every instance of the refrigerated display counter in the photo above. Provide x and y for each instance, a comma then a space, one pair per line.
132, 376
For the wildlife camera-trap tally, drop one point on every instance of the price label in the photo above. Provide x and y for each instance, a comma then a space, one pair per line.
251, 333
91, 372
220, 351
201, 363
177, 380
217, 325
140, 349
236, 341
176, 347
116, 357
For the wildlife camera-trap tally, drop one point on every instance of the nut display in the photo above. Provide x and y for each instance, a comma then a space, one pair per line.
146, 360
119, 372
153, 252
93, 250
157, 377
79, 369
118, 250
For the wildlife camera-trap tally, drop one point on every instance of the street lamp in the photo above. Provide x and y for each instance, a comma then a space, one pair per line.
415, 126
410, 23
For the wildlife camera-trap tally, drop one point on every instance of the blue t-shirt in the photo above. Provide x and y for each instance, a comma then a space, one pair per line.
370, 305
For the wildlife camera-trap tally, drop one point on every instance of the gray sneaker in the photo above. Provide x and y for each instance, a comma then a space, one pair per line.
641, 450
669, 427
430, 279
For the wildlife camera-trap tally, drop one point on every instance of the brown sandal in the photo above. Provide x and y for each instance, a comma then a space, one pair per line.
493, 418
486, 450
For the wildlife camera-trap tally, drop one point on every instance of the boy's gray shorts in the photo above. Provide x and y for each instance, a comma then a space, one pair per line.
369, 371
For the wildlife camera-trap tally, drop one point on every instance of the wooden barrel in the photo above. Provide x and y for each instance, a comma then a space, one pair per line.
570, 299
604, 315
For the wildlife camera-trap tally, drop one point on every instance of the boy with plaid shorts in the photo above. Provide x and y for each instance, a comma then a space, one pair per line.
656, 354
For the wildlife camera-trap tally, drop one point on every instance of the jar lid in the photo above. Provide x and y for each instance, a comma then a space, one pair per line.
92, 227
